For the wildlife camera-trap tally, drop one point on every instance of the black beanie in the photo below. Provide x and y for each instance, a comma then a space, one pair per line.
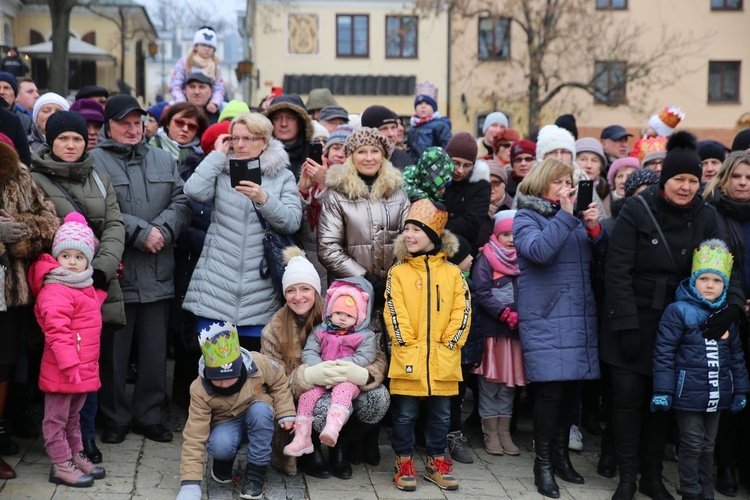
376, 116
66, 121
711, 149
568, 122
464, 249
741, 141
682, 157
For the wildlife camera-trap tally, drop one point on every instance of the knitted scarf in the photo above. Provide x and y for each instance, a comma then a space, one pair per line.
335, 329
207, 65
417, 121
503, 260
69, 278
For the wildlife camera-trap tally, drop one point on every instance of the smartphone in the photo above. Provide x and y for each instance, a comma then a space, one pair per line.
316, 152
585, 195
247, 169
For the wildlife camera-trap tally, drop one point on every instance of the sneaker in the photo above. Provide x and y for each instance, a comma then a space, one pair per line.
440, 471
404, 475
575, 440
458, 448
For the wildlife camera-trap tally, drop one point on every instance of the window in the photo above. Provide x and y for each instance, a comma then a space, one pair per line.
352, 36
611, 4
401, 37
494, 38
726, 4
609, 82
724, 81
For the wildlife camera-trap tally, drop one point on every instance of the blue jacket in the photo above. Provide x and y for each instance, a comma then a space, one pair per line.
556, 306
701, 375
436, 132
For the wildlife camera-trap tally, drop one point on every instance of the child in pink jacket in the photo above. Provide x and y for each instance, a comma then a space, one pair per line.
68, 310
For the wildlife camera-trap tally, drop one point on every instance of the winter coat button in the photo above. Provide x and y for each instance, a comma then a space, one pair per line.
690, 225
683, 251
654, 241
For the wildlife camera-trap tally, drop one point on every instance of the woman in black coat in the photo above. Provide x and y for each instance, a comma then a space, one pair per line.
729, 193
642, 274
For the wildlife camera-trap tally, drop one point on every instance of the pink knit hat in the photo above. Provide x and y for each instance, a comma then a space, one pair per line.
503, 221
345, 297
75, 234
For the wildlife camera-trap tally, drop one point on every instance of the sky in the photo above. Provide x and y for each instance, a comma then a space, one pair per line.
227, 9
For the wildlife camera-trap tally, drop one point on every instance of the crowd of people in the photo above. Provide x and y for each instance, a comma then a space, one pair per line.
417, 264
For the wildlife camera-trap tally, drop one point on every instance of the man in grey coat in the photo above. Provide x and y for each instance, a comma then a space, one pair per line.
155, 210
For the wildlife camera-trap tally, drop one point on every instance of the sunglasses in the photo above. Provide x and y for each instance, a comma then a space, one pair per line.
506, 145
180, 123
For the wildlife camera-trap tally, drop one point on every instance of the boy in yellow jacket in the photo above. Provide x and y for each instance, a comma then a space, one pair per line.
430, 315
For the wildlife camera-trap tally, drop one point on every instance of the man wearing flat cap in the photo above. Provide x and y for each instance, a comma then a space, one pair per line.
615, 143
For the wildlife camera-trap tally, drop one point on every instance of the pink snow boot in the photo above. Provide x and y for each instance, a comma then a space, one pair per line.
301, 444
335, 420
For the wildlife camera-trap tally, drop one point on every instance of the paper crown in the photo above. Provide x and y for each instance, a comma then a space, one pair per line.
220, 344
713, 256
671, 116
428, 89
645, 147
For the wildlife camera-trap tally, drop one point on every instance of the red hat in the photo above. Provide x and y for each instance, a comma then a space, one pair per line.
521, 147
211, 134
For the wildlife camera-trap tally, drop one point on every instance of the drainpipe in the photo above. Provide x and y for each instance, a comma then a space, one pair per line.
448, 83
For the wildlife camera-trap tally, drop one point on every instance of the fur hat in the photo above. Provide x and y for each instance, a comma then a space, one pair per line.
432, 173
208, 139
342, 296
66, 121
619, 163
568, 122
299, 270
205, 36
682, 157
552, 137
712, 256
366, 136
665, 121
521, 147
222, 355
319, 99
462, 145
495, 117
233, 108
75, 234
376, 116
428, 216
10, 79
503, 221
91, 110
642, 177
339, 135
741, 141
591, 145
49, 98
464, 250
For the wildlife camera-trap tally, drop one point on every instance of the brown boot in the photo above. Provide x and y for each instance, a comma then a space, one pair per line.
87, 466
6, 471
506, 441
69, 474
491, 437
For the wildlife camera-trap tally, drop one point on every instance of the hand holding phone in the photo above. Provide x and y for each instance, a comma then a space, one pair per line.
316, 152
245, 169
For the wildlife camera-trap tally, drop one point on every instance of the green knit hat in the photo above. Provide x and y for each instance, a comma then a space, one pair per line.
233, 108
432, 173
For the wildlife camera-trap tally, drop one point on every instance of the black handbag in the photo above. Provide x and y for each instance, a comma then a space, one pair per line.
272, 264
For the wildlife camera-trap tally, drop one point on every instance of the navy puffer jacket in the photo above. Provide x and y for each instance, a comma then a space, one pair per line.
701, 375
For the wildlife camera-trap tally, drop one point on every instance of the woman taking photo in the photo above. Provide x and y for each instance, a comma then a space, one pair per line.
643, 271
556, 307
64, 170
226, 284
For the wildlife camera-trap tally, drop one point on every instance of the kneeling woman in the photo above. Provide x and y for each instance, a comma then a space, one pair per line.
556, 309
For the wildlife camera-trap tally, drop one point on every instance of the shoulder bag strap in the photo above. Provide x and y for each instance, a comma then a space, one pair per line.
661, 233
64, 191
260, 217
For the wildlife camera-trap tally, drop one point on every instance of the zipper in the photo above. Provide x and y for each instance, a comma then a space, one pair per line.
429, 333
437, 287
78, 338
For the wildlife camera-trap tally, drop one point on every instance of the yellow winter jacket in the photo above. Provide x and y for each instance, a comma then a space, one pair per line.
428, 316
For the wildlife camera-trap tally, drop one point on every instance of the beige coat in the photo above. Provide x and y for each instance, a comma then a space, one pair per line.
268, 383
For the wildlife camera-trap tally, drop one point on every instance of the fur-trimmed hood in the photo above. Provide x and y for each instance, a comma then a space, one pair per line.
538, 204
448, 246
272, 161
345, 180
480, 172
10, 163
309, 129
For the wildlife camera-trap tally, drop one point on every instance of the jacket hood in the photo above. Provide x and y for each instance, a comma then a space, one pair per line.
247, 360
448, 246
301, 113
338, 288
345, 180
42, 162
274, 159
480, 172
538, 204
39, 269
688, 293
9, 163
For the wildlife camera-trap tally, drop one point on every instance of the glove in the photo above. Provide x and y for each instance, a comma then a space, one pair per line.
630, 345
719, 322
738, 403
100, 281
73, 374
378, 290
189, 491
353, 372
322, 373
510, 318
12, 231
661, 402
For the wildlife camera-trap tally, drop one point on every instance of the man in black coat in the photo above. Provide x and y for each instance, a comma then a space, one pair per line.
13, 63
386, 121
10, 125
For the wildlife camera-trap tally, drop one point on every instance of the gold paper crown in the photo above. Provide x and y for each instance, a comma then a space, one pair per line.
424, 211
428, 89
671, 116
713, 256
220, 344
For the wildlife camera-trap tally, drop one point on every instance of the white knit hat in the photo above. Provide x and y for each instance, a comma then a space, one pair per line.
319, 130
552, 137
205, 36
299, 270
49, 98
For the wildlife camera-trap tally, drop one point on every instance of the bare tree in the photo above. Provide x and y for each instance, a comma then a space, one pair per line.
59, 11
564, 41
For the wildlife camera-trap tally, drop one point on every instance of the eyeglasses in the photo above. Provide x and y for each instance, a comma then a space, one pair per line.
654, 163
235, 139
523, 159
180, 123
496, 183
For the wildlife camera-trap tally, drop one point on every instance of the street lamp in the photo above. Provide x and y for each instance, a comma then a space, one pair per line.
245, 69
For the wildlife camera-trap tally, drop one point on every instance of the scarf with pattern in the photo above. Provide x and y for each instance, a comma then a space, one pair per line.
70, 278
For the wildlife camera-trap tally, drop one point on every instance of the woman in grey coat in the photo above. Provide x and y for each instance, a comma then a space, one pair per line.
226, 284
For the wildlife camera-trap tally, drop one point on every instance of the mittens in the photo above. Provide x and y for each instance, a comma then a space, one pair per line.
719, 322
738, 403
73, 374
630, 345
661, 402
510, 318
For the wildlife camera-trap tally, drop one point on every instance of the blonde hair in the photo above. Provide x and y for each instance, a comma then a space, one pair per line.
722, 178
256, 123
191, 58
538, 180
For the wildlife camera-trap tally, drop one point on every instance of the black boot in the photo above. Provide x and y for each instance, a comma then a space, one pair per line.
607, 465
726, 481
372, 446
544, 478
314, 464
625, 491
340, 466
653, 487
561, 459
253, 482
222, 472
92, 451
7, 445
